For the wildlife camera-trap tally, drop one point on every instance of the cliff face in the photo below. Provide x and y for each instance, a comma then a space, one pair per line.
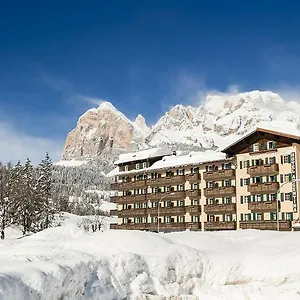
215, 123
101, 131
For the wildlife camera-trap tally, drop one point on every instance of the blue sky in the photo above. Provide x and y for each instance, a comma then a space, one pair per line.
143, 56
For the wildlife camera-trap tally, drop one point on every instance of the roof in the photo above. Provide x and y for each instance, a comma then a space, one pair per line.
143, 155
171, 161
286, 129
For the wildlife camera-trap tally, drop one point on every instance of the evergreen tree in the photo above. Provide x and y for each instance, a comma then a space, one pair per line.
44, 189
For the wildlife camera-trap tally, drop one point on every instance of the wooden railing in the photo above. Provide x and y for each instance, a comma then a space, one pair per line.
263, 206
194, 210
218, 174
167, 211
266, 225
176, 195
263, 169
165, 181
134, 212
263, 188
196, 177
194, 193
228, 225
214, 209
219, 191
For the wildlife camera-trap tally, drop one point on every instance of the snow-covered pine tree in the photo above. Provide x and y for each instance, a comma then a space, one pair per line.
44, 191
5, 217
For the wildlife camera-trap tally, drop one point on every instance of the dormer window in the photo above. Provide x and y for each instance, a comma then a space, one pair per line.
145, 164
137, 166
255, 147
271, 145
126, 168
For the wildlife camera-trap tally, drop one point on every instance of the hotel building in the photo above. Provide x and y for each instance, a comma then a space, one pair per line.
248, 185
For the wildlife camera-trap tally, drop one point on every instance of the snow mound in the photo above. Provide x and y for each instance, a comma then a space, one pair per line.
66, 264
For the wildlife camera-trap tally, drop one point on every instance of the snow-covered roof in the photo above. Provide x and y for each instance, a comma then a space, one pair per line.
280, 127
71, 163
171, 161
144, 154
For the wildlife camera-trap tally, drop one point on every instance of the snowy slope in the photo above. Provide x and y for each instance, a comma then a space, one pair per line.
67, 263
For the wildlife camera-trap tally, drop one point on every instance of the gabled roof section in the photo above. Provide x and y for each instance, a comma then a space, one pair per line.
143, 155
289, 132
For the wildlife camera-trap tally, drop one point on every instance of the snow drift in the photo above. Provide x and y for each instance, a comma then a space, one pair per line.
67, 263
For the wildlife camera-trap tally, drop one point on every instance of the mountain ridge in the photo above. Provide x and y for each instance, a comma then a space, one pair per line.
213, 124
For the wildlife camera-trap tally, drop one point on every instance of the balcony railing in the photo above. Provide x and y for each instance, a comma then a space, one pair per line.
194, 194
218, 174
266, 225
230, 225
196, 177
153, 226
114, 199
132, 198
135, 212
167, 211
264, 206
219, 191
128, 185
263, 170
178, 195
194, 210
163, 181
215, 209
113, 212
263, 188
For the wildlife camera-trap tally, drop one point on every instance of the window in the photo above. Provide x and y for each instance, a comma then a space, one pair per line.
259, 198
246, 163
273, 197
272, 160
210, 184
126, 168
289, 216
288, 177
181, 219
242, 199
254, 147
286, 159
257, 179
168, 219
168, 204
259, 216
145, 205
227, 218
180, 172
154, 204
181, 187
145, 164
195, 186
195, 170
228, 166
137, 166
273, 216
228, 182
272, 178
288, 196
227, 200
196, 219
210, 201
247, 217
270, 145
181, 203
195, 202
246, 181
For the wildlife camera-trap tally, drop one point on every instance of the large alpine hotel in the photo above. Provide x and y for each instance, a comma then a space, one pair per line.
248, 185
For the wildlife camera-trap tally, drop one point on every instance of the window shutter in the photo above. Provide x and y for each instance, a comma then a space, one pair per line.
282, 197
251, 148
242, 217
271, 216
281, 178
242, 198
266, 160
274, 159
248, 163
268, 178
289, 159
222, 182
281, 159
254, 216
261, 197
290, 177
241, 181
291, 196
274, 144
241, 165
223, 200
268, 197
252, 162
260, 179
282, 216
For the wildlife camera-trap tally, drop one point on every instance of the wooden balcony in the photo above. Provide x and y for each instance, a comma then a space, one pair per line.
134, 212
230, 225
194, 194
131, 226
219, 192
219, 209
193, 178
167, 211
193, 226
178, 195
263, 188
219, 174
263, 206
128, 185
167, 181
113, 212
174, 226
132, 199
114, 199
194, 210
266, 225
268, 169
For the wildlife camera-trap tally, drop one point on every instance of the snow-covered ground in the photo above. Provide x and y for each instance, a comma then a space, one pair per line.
68, 263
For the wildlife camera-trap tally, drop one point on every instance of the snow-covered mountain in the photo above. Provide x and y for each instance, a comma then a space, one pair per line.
214, 124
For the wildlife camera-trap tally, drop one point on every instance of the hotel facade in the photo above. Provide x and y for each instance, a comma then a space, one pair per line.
248, 185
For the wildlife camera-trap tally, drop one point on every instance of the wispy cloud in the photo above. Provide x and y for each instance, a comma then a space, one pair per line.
16, 146
189, 89
92, 100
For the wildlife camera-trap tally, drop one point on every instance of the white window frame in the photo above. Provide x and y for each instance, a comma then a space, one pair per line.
126, 168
